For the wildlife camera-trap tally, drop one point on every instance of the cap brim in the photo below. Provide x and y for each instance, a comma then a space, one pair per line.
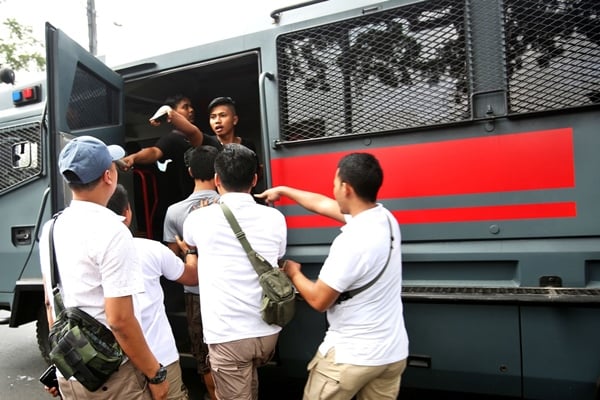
116, 152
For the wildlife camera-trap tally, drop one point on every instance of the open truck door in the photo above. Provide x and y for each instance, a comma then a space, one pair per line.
85, 97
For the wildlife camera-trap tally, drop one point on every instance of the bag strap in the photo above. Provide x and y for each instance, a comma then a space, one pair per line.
351, 293
259, 263
54, 274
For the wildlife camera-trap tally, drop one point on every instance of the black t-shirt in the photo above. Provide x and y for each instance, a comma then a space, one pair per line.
178, 182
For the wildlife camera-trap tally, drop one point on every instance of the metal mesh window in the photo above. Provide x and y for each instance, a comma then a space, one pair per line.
396, 69
20, 154
93, 102
553, 53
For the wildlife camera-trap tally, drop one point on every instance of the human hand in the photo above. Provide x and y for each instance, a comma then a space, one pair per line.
159, 391
126, 163
289, 267
270, 196
52, 390
162, 114
183, 246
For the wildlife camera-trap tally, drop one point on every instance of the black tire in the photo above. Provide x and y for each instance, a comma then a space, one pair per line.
42, 332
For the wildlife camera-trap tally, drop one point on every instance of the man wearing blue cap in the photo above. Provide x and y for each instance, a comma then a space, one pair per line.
99, 270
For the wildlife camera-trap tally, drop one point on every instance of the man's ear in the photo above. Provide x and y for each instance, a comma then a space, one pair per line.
218, 184
106, 178
348, 189
235, 120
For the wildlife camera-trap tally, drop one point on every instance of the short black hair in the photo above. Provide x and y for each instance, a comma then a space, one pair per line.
175, 99
363, 172
201, 161
219, 101
236, 166
119, 201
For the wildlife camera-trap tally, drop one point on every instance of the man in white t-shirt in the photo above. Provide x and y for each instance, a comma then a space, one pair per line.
238, 339
365, 348
99, 270
157, 260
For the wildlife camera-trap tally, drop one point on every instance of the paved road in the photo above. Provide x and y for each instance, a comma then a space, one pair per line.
21, 365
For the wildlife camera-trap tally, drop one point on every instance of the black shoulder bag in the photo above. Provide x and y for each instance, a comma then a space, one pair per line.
81, 345
279, 296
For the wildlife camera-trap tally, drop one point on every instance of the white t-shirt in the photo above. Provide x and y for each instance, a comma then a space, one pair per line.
157, 260
96, 258
367, 329
230, 295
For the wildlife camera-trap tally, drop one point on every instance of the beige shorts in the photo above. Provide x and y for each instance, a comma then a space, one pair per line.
126, 383
177, 389
331, 381
234, 366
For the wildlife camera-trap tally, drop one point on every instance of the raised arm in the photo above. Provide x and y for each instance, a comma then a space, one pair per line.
191, 131
314, 202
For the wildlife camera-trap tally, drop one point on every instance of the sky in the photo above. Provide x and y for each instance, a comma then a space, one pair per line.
128, 30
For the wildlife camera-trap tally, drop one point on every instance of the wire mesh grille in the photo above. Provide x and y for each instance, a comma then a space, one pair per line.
93, 102
396, 69
20, 154
553, 53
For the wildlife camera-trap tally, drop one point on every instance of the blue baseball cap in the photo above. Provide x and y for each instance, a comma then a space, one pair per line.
87, 158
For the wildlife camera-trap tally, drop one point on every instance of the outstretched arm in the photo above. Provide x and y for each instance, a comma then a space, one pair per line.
147, 155
314, 202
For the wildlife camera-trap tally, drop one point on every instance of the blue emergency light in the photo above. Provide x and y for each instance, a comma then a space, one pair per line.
26, 95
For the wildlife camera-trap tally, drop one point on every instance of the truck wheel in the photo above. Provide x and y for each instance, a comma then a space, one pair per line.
42, 332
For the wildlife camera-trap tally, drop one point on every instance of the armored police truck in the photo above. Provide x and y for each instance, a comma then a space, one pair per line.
484, 114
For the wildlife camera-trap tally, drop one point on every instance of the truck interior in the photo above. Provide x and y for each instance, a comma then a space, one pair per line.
234, 76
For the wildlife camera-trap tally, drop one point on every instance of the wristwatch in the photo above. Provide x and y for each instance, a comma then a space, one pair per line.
191, 251
160, 376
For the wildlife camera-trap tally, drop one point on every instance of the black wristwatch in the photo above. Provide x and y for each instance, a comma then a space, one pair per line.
191, 251
160, 376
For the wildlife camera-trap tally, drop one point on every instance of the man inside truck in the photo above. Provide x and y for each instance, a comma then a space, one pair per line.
365, 347
223, 118
170, 148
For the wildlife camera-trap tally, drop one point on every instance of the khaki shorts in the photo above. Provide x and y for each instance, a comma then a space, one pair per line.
234, 366
177, 389
331, 381
126, 383
194, 318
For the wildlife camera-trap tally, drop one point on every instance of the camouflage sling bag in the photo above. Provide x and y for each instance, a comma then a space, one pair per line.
81, 345
279, 295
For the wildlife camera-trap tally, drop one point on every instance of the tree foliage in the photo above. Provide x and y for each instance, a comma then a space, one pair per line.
20, 49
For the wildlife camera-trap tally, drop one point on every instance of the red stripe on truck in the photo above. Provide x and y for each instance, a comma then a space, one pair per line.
540, 160
456, 214
492, 164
